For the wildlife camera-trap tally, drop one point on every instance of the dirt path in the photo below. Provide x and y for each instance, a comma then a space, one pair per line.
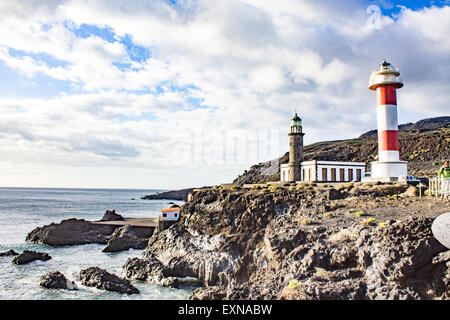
382, 209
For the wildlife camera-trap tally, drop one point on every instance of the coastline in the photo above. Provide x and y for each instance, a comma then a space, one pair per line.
24, 209
303, 241
362, 241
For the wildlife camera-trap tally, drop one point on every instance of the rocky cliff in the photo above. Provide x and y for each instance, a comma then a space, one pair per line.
424, 144
169, 195
302, 242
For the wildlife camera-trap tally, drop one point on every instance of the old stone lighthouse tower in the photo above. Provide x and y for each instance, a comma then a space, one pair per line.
295, 149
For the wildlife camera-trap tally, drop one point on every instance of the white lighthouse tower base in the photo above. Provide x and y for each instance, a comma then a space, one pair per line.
388, 171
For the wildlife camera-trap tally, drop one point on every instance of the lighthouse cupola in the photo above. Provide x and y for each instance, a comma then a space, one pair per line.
386, 74
296, 124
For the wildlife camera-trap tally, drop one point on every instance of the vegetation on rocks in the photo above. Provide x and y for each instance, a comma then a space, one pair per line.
245, 244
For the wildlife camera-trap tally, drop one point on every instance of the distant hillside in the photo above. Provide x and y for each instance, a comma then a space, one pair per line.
425, 124
424, 144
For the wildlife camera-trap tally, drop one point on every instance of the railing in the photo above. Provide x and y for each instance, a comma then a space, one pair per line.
435, 186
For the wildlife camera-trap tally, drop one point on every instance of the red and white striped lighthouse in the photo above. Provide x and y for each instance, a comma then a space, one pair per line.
385, 81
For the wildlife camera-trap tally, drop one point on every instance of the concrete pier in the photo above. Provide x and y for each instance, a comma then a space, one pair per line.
134, 222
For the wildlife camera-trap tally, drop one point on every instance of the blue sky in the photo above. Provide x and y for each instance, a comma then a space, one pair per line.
393, 8
166, 94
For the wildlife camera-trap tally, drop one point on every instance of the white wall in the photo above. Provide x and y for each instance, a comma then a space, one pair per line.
284, 173
170, 216
338, 173
310, 174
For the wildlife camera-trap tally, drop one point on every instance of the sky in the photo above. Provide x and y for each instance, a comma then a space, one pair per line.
169, 94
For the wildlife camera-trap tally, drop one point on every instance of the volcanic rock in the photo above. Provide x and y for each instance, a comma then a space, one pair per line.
56, 280
8, 253
255, 244
152, 270
102, 279
411, 192
128, 237
148, 269
71, 232
169, 195
111, 216
28, 256
209, 293
333, 194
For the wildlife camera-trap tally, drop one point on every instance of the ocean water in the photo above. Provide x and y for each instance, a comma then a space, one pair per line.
23, 209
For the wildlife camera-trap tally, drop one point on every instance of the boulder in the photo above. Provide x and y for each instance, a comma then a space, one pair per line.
209, 293
441, 229
102, 279
71, 232
8, 253
178, 257
128, 237
411, 192
149, 269
112, 216
333, 194
28, 256
56, 280
152, 270
378, 189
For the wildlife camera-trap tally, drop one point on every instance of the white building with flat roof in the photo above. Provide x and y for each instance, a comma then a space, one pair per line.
171, 214
326, 171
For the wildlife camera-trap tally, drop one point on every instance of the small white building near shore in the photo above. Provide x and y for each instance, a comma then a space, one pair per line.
170, 214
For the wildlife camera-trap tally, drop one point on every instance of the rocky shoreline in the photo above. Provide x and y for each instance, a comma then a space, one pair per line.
181, 194
363, 241
169, 195
74, 231
354, 241
28, 256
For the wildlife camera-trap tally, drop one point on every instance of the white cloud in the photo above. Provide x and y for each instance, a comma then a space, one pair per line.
231, 67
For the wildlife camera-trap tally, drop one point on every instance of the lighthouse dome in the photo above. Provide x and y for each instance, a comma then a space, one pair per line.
296, 121
386, 74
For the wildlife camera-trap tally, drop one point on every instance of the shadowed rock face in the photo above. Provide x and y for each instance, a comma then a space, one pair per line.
111, 216
8, 253
102, 279
169, 195
251, 244
128, 237
56, 280
151, 269
71, 232
28, 256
